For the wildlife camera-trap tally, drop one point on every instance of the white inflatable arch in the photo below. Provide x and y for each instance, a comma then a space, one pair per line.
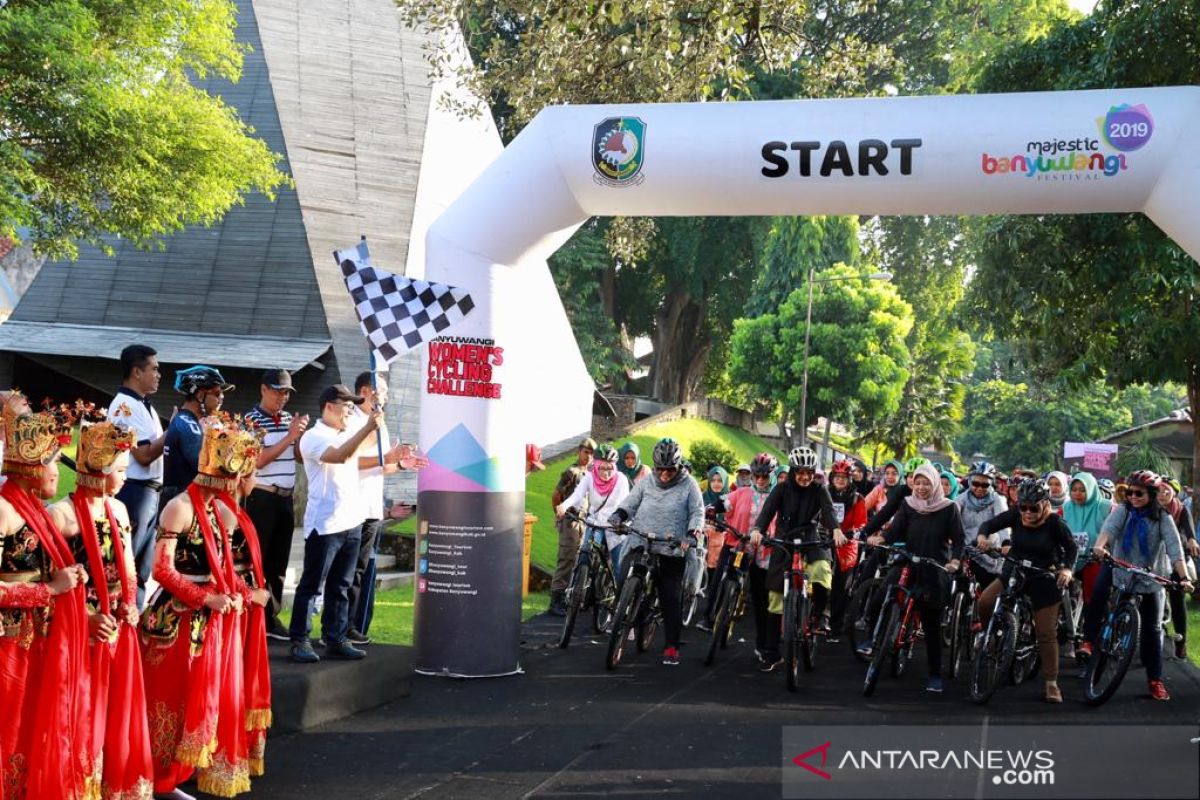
1043, 153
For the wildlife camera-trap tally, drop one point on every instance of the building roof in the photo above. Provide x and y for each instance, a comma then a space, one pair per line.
174, 347
1172, 434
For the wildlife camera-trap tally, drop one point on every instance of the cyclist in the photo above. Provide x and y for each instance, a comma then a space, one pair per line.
897, 495
1084, 513
1142, 534
604, 488
781, 473
950, 484
1018, 474
668, 504
742, 477
1168, 498
629, 461
1058, 482
850, 511
742, 507
930, 526
893, 473
714, 495
792, 504
978, 504
1106, 487
1040, 536
859, 477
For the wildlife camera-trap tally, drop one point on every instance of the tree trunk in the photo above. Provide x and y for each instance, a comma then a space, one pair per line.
680, 354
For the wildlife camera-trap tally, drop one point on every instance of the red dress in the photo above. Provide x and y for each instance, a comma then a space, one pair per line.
183, 650
121, 769
45, 736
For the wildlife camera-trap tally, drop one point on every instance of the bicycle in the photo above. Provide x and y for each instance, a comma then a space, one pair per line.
730, 594
695, 586
896, 629
592, 584
960, 616
1009, 645
1119, 637
866, 597
800, 626
637, 610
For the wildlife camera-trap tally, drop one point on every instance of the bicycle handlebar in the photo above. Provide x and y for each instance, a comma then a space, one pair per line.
1024, 564
916, 559
1166, 583
625, 527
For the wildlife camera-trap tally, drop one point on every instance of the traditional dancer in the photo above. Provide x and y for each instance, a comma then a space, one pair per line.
44, 731
98, 529
192, 621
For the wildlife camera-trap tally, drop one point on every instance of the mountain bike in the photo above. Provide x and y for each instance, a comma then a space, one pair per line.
1008, 645
800, 625
731, 589
1119, 637
866, 598
637, 610
695, 583
899, 620
592, 584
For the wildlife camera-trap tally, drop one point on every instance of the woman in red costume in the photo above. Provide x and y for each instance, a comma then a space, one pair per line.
97, 527
45, 739
191, 623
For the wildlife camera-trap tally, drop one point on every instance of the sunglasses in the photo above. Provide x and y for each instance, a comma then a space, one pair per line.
978, 485
1028, 509
668, 470
1134, 493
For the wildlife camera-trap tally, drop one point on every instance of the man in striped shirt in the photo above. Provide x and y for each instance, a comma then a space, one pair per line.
270, 504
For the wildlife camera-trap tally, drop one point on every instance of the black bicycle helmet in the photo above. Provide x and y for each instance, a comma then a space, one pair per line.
802, 458
193, 379
1032, 491
763, 464
667, 454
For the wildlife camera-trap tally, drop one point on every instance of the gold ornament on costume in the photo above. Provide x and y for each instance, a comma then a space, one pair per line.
100, 443
32, 440
228, 451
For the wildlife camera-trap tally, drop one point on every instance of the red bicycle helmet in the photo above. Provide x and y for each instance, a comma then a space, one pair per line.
841, 467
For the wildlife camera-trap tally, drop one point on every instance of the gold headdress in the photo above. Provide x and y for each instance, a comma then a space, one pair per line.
228, 451
33, 440
100, 443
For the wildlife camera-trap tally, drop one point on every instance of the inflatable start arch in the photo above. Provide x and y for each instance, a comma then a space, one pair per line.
1046, 153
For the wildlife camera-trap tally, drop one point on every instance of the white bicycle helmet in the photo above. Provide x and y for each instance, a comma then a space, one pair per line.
802, 458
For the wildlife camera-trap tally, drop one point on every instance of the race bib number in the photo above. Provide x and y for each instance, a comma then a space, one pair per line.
1081, 540
839, 512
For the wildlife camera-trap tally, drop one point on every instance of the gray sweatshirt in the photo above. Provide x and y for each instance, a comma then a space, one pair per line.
972, 518
672, 511
1162, 540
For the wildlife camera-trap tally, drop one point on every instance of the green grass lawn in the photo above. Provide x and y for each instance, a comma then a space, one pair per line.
1193, 645
393, 620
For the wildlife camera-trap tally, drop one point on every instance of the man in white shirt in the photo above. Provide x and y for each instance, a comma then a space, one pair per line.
131, 409
332, 524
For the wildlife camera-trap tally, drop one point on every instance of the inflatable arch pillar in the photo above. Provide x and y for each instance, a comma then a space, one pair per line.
1038, 153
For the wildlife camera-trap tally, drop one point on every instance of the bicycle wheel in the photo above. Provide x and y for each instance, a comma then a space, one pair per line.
1108, 665
883, 645
604, 592
963, 639
958, 607
993, 659
691, 604
905, 639
647, 621
859, 625
627, 609
793, 606
726, 600
576, 590
1025, 655
807, 627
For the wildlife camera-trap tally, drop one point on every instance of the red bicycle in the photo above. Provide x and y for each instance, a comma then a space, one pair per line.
800, 627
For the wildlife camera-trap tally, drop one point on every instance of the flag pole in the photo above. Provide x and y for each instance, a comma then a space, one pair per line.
362, 246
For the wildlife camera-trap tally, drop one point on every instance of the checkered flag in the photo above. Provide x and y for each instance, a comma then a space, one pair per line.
397, 313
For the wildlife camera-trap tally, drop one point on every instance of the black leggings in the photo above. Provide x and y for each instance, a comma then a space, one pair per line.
670, 597
1150, 611
759, 601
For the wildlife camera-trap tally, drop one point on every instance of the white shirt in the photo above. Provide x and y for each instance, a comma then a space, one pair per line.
334, 500
126, 411
599, 505
370, 479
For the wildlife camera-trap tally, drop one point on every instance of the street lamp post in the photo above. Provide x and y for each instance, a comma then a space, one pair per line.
812, 271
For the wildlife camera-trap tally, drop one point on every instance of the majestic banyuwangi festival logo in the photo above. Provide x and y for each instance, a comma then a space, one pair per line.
618, 146
1123, 130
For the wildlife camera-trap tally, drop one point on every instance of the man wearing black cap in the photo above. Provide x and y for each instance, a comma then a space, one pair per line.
333, 521
270, 504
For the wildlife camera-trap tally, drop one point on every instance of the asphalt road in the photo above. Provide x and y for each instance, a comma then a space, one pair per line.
568, 727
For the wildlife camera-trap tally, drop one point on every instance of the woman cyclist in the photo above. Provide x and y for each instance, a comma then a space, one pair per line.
977, 505
604, 488
1040, 536
1168, 498
667, 504
795, 503
1058, 483
930, 526
1141, 533
850, 511
1084, 513
893, 474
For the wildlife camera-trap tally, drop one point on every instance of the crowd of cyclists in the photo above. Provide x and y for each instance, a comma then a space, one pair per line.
956, 549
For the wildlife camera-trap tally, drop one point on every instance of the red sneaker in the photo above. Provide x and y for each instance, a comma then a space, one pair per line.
671, 657
1159, 691
1084, 651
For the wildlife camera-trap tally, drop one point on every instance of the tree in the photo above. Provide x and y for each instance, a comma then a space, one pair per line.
1147, 403
1093, 296
101, 132
794, 245
857, 356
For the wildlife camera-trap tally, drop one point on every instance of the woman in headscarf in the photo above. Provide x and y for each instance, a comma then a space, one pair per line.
1084, 515
950, 484
714, 495
978, 504
930, 526
1059, 485
1168, 498
781, 473
742, 506
1038, 536
858, 478
851, 515
603, 488
893, 474
1141, 533
629, 462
